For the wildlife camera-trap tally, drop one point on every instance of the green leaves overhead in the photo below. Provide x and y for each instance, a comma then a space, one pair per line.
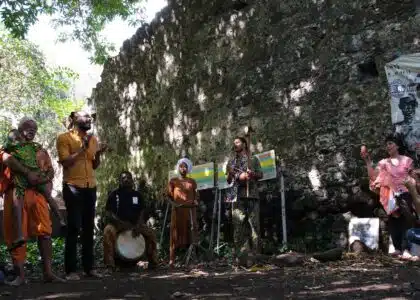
29, 87
81, 20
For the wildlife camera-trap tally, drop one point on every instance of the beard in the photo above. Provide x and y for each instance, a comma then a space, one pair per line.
84, 126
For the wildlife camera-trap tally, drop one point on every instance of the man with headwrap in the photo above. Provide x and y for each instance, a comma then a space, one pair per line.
183, 191
125, 211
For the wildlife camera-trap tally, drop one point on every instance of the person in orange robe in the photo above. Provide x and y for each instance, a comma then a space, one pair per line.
36, 221
183, 191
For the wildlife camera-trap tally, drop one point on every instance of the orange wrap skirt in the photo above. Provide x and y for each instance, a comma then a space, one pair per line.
36, 220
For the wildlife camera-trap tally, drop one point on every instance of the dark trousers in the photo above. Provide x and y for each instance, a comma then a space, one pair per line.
80, 205
413, 236
397, 227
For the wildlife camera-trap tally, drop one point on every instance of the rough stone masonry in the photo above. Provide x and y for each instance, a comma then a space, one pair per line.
307, 75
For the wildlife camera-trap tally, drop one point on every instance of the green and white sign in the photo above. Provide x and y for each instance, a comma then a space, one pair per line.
268, 166
202, 174
221, 176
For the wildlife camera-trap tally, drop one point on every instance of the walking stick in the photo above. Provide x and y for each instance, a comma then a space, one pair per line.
248, 142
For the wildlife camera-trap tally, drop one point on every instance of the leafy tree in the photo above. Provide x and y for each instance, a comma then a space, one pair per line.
81, 20
29, 87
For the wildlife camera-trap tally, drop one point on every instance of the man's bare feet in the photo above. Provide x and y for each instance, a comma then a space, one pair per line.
72, 277
53, 278
171, 265
93, 274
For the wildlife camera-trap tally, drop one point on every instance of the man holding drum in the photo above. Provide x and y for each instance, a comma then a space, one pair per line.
125, 211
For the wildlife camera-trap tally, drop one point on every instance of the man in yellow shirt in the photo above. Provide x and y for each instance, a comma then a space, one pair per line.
79, 154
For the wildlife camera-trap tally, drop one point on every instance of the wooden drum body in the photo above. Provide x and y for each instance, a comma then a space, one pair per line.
130, 248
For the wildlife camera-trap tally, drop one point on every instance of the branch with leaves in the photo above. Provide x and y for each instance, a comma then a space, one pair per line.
79, 20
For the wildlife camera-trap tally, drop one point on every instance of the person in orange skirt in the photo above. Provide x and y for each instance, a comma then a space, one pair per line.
36, 221
183, 191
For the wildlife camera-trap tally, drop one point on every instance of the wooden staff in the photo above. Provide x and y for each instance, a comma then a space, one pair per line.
248, 141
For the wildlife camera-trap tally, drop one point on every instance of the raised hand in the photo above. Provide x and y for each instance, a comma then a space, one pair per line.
364, 153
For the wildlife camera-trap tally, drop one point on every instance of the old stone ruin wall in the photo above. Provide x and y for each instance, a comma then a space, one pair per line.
307, 75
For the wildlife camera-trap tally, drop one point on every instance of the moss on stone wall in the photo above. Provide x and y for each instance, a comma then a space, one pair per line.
307, 75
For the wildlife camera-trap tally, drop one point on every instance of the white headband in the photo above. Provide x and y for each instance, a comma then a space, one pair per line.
187, 162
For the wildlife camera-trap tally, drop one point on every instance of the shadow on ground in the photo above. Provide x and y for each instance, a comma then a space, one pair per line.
367, 279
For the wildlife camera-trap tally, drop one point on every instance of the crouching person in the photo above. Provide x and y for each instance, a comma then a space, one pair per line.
125, 211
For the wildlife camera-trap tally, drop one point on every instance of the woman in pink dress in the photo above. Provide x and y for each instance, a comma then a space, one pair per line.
388, 179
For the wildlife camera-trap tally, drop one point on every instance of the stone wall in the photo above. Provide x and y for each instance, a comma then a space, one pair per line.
307, 75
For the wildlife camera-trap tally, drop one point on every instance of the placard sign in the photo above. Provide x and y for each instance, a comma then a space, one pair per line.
202, 174
268, 164
365, 230
403, 76
221, 176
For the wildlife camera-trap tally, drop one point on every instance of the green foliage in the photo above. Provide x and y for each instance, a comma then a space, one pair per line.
33, 261
31, 88
85, 19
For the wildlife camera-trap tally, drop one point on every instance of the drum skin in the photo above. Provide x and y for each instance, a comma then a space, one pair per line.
129, 248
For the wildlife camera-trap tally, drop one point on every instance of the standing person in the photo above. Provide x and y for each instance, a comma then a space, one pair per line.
387, 179
125, 211
79, 154
183, 191
245, 214
36, 221
21, 146
413, 234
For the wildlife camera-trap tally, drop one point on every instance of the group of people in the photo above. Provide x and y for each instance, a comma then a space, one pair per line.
26, 184
397, 182
26, 174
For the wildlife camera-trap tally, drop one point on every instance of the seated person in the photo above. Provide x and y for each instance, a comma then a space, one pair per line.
413, 234
124, 211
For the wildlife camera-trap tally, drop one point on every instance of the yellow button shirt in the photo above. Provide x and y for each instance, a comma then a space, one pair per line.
81, 173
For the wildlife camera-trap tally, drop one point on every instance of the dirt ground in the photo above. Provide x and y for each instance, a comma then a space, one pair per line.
366, 278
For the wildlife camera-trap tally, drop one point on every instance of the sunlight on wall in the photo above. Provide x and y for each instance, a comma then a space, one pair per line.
215, 131
131, 91
125, 120
297, 111
169, 60
315, 178
199, 137
305, 87
175, 133
339, 158
201, 99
